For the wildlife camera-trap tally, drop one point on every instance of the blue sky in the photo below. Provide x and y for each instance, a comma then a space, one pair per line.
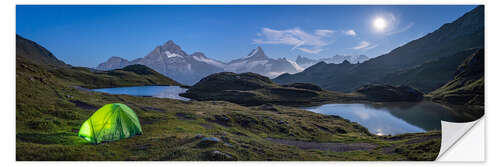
89, 35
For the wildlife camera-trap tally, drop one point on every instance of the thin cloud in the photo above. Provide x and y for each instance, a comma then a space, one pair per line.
406, 28
350, 32
296, 37
365, 45
371, 47
361, 45
312, 51
324, 32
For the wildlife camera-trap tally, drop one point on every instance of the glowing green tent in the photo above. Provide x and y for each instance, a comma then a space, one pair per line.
111, 122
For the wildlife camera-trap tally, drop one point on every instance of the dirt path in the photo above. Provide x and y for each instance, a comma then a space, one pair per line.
336, 147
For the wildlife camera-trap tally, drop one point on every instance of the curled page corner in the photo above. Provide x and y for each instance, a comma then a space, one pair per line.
451, 133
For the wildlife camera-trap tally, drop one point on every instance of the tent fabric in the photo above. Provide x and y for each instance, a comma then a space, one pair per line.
111, 122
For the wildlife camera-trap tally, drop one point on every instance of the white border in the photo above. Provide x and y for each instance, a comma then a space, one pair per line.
267, 2
7, 87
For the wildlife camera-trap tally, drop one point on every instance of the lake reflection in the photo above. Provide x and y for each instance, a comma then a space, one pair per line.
397, 117
171, 92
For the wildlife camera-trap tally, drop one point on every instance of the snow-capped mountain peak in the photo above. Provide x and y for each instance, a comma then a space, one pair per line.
170, 45
256, 54
170, 60
113, 63
257, 62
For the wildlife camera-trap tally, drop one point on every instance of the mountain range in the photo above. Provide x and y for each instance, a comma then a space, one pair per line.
306, 62
417, 58
170, 60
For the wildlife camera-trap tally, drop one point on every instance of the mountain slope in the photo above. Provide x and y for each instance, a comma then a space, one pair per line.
320, 74
36, 53
464, 33
425, 76
133, 75
467, 87
39, 65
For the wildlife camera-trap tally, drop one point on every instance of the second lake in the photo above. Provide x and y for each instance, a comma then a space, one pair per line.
396, 117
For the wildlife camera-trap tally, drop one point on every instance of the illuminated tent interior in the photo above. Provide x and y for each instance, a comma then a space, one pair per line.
111, 122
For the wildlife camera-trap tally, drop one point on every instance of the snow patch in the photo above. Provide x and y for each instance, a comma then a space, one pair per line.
256, 63
295, 65
274, 74
171, 55
245, 66
234, 66
208, 61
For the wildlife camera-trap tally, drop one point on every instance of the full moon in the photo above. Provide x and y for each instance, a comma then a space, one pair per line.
379, 23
